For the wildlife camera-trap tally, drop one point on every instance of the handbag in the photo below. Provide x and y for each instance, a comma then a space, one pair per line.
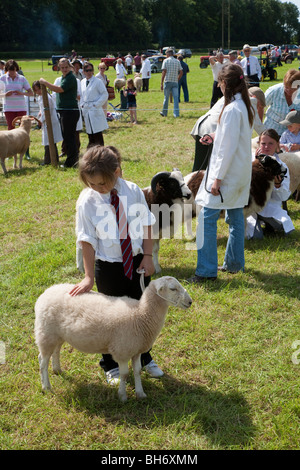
111, 92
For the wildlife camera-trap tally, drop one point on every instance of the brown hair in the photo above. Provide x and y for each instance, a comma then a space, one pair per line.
233, 76
100, 160
87, 65
270, 133
11, 65
291, 76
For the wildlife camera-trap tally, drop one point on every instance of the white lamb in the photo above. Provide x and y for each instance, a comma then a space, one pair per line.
119, 83
14, 142
138, 81
95, 323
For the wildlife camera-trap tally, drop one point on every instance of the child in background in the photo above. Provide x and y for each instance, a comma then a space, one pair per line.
100, 170
273, 216
130, 93
290, 139
57, 135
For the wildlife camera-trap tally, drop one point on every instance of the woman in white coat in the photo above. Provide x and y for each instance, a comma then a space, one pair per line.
94, 96
227, 181
56, 129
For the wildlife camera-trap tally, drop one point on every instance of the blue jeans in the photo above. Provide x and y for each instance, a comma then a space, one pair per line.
207, 263
183, 83
171, 87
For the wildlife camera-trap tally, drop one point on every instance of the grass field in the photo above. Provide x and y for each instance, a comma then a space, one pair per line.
230, 361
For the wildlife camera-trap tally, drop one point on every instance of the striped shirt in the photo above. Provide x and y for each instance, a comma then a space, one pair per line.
172, 67
15, 102
278, 107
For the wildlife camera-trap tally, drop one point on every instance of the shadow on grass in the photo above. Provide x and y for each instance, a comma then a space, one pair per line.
175, 406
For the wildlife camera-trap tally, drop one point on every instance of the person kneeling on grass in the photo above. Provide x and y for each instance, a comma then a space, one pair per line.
273, 216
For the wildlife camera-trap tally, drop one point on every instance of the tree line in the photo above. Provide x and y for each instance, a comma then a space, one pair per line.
101, 25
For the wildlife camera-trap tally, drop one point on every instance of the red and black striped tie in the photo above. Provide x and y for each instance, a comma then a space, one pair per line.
125, 240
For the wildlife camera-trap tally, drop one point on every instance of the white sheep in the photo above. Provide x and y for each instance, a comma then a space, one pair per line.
292, 161
138, 82
119, 83
95, 323
15, 141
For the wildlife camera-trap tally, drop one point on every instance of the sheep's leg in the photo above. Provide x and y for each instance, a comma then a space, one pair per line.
123, 368
136, 365
15, 162
155, 256
56, 358
44, 364
21, 160
3, 167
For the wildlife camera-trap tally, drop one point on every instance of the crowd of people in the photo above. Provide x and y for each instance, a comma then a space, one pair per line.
236, 109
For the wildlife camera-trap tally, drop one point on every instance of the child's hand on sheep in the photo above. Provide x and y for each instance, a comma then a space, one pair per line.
84, 286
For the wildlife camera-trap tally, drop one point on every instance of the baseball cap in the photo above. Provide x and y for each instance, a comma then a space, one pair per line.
258, 93
293, 117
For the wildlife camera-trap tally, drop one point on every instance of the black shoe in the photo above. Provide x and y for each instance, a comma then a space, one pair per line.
224, 270
199, 279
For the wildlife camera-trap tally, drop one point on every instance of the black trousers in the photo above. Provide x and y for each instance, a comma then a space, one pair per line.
202, 155
68, 122
216, 94
95, 139
47, 158
145, 84
111, 280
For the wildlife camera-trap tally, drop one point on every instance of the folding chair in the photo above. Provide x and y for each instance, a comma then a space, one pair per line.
121, 109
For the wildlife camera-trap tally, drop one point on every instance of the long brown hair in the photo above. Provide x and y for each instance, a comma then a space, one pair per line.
233, 77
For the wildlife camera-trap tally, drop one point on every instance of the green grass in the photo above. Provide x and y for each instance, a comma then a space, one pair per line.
230, 382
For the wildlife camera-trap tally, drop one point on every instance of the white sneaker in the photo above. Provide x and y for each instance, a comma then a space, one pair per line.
153, 370
113, 376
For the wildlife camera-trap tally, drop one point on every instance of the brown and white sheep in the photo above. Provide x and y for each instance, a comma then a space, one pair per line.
15, 141
165, 198
264, 170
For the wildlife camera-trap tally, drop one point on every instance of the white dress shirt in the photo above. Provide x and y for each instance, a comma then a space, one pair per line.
255, 68
96, 221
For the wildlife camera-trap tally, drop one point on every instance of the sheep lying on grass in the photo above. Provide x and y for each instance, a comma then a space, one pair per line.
14, 142
95, 323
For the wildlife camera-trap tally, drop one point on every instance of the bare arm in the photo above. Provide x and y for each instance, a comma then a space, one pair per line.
147, 261
57, 89
163, 74
87, 283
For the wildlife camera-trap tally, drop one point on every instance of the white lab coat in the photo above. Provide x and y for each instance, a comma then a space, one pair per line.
208, 122
231, 160
94, 97
146, 69
274, 209
57, 135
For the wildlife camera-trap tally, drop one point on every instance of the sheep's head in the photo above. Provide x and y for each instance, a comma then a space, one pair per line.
25, 122
172, 183
169, 289
270, 163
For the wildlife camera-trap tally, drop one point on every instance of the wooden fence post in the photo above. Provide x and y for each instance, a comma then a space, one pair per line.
52, 149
